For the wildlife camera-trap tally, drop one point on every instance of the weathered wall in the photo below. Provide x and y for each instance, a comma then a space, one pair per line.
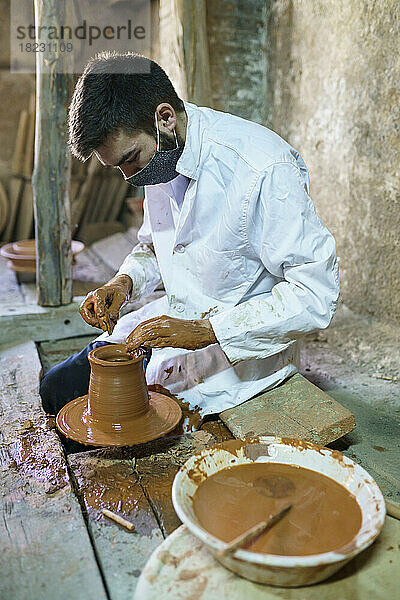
325, 76
336, 98
238, 57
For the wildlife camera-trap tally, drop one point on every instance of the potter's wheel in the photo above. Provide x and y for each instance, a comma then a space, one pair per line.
163, 416
181, 568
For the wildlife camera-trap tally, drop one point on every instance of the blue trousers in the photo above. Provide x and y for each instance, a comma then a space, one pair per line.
69, 379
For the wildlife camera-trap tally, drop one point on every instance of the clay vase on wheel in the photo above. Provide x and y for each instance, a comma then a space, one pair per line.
118, 409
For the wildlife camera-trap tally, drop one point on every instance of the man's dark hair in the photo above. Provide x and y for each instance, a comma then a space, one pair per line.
116, 92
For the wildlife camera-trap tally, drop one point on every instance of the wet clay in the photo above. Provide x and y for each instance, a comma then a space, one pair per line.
324, 516
191, 417
118, 410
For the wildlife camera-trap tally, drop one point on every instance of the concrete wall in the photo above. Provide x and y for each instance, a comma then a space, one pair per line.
326, 76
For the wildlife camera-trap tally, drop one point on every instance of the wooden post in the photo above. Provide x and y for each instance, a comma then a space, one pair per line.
183, 48
51, 175
192, 16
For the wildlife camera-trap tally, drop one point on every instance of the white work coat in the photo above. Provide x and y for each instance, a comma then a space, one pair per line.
246, 250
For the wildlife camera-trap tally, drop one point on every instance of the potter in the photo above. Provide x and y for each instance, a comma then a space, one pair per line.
229, 229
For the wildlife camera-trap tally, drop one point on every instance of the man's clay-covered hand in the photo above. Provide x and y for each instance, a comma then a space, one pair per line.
101, 307
164, 331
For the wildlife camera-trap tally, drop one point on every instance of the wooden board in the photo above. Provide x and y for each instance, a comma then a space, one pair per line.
30, 321
52, 353
297, 408
45, 548
24, 222
89, 267
51, 176
157, 471
113, 484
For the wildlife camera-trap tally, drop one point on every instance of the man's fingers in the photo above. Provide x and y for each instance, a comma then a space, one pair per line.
86, 310
150, 334
99, 301
117, 299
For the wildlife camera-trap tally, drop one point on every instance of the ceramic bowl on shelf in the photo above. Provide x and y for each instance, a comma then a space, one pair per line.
21, 255
285, 571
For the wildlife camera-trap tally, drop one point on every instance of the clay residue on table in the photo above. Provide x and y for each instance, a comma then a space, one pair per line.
30, 458
324, 515
116, 487
191, 417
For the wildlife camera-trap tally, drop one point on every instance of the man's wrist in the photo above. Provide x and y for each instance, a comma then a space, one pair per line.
126, 282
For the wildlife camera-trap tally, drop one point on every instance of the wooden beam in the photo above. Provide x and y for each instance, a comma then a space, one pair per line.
183, 48
51, 176
38, 323
192, 16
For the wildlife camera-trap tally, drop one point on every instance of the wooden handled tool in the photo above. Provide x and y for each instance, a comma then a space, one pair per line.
249, 535
107, 322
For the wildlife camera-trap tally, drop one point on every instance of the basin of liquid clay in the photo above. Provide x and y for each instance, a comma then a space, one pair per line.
338, 509
118, 409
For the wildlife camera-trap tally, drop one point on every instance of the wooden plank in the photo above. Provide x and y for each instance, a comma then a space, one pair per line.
46, 550
118, 200
38, 323
158, 469
51, 176
195, 49
113, 250
4, 208
16, 187
53, 352
92, 232
297, 408
112, 190
24, 224
113, 484
80, 202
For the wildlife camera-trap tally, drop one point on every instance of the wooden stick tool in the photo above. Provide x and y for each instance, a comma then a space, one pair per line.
117, 519
249, 535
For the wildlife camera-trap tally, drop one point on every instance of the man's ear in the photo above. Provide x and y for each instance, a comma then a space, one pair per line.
166, 117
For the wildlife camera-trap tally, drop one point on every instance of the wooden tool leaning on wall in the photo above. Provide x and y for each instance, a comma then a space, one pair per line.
97, 194
16, 182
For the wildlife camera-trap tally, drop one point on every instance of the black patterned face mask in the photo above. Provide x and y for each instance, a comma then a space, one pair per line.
161, 167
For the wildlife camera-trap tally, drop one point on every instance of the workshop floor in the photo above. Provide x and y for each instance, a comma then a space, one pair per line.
348, 361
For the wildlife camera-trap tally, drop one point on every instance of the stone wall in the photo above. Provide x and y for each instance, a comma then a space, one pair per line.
326, 76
